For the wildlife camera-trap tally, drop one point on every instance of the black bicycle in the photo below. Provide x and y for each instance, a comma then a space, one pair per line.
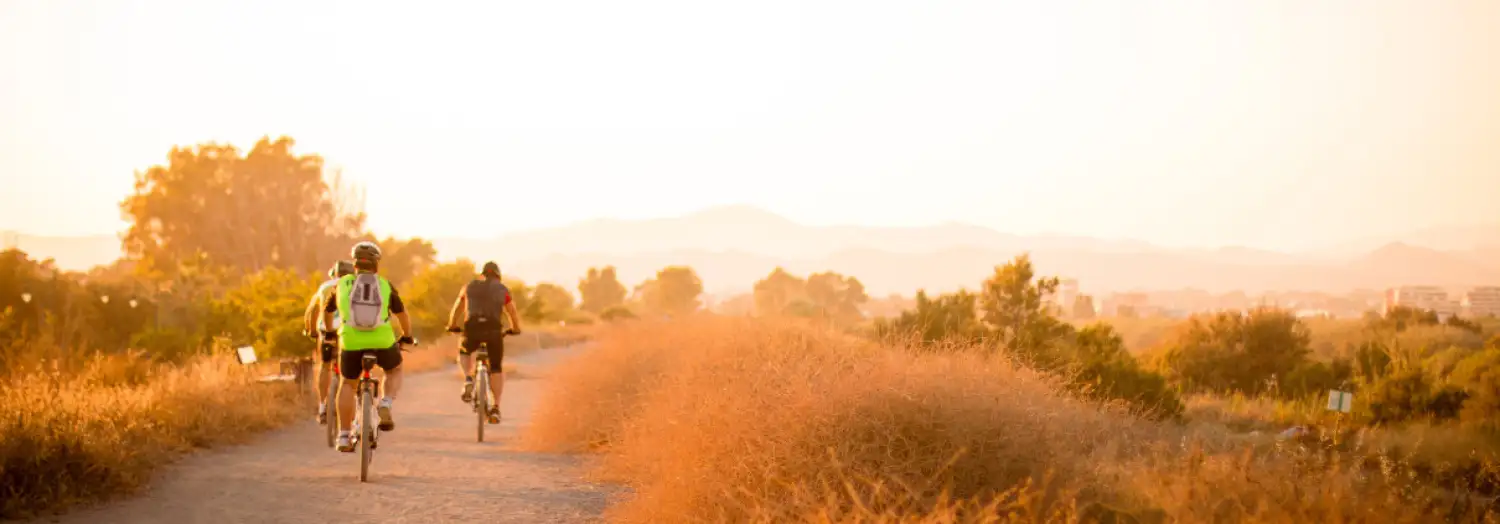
362, 430
480, 400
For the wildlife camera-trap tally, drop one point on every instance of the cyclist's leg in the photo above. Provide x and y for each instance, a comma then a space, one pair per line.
390, 361
349, 369
497, 376
466, 346
325, 370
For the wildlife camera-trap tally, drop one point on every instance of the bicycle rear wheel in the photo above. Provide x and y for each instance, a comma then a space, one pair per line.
331, 414
482, 401
366, 428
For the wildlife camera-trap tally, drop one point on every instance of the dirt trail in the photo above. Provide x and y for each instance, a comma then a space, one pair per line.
429, 469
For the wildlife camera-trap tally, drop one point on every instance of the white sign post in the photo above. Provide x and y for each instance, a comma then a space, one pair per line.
1340, 401
246, 355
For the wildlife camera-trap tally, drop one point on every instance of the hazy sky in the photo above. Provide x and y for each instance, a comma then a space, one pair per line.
1279, 124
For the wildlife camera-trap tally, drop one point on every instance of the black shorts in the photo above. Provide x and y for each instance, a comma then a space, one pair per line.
494, 344
326, 350
349, 361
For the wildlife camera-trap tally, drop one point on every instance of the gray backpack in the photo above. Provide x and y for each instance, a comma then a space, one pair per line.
365, 304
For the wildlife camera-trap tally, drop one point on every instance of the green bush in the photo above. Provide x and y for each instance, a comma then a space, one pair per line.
1103, 369
1411, 394
1483, 405
1236, 352
1311, 378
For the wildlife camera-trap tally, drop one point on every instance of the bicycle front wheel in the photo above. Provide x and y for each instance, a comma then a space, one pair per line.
366, 428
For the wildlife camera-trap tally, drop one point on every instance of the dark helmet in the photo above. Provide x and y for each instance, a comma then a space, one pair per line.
341, 268
491, 269
365, 251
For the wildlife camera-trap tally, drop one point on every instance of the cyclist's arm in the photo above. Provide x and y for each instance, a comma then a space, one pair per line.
510, 310
330, 307
310, 318
398, 309
460, 307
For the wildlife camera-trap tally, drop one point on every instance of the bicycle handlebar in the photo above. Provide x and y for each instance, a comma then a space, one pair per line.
506, 333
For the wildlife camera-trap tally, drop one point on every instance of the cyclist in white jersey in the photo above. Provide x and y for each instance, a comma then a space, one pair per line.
313, 325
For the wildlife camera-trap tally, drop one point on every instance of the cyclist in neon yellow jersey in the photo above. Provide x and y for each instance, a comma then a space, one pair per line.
365, 303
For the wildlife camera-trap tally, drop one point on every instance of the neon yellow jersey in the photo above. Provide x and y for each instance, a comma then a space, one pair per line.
382, 336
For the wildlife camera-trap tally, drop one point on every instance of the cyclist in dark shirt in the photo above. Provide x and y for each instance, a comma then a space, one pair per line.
481, 303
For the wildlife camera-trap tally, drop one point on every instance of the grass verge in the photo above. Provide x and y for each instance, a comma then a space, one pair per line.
71, 436
716, 419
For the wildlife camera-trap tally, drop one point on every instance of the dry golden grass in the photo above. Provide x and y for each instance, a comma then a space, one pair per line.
734, 420
98, 429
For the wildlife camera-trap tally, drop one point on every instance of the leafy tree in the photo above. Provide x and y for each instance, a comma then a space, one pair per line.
211, 205
400, 260
554, 300
431, 293
777, 291
600, 290
836, 297
527, 306
266, 310
1236, 351
949, 317
1014, 303
1100, 367
674, 291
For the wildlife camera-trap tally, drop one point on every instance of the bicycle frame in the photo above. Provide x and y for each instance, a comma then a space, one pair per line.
481, 388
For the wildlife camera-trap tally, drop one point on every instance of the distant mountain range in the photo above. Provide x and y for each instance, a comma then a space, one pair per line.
733, 246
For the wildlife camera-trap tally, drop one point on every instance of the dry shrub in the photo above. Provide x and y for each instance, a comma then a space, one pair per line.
732, 420
76, 435
738, 420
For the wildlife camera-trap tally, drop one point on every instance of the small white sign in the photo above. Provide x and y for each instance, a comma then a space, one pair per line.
246, 354
1340, 401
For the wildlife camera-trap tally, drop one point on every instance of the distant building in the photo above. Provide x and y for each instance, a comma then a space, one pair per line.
1067, 292
1429, 298
1483, 301
1136, 303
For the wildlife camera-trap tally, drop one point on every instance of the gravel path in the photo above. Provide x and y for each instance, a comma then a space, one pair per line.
429, 469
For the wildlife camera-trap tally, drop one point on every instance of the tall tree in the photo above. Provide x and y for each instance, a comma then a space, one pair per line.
777, 291
209, 204
674, 291
400, 260
1236, 351
836, 297
1015, 303
951, 317
431, 293
600, 289
553, 299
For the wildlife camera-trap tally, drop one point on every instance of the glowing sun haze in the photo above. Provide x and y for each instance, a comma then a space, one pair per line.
1281, 124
